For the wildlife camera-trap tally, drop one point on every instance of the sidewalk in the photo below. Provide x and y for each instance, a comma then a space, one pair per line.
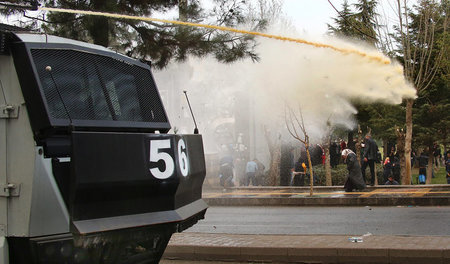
317, 248
400, 195
309, 248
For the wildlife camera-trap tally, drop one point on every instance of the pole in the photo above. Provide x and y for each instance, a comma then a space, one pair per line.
192, 114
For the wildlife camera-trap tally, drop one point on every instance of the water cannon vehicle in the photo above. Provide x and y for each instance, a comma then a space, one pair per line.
88, 171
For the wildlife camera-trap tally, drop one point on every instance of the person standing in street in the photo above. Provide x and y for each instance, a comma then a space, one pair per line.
437, 156
394, 159
370, 156
259, 177
226, 171
423, 164
447, 166
299, 173
250, 173
355, 179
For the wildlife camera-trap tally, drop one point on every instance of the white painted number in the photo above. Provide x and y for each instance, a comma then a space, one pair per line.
156, 154
182, 158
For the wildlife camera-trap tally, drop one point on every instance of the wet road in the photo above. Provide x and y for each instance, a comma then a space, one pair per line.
332, 192
406, 220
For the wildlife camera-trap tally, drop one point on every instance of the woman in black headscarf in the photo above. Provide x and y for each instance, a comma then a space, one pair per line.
355, 179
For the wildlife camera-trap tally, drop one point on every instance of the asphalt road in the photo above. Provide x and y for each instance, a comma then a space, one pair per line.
426, 221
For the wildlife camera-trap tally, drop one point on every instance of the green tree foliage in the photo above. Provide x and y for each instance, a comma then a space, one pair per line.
366, 18
382, 119
158, 42
429, 45
432, 111
344, 22
428, 20
359, 24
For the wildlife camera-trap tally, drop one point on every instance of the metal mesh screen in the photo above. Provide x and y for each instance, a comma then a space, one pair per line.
95, 87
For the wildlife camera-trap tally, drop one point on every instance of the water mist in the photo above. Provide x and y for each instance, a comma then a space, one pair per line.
242, 98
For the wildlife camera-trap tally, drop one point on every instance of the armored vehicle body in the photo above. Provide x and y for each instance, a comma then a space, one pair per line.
88, 171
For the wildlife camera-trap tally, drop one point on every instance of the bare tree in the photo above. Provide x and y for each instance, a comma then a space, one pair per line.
326, 148
421, 62
358, 144
294, 125
430, 165
275, 157
269, 10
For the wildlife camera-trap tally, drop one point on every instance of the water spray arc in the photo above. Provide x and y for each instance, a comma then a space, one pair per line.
380, 59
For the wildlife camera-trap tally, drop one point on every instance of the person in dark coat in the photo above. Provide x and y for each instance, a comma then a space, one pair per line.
437, 155
394, 159
355, 179
299, 173
387, 169
334, 154
423, 163
260, 172
447, 166
226, 171
370, 156
391, 181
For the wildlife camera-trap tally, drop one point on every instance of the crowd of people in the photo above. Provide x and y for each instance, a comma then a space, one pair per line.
342, 152
254, 173
391, 165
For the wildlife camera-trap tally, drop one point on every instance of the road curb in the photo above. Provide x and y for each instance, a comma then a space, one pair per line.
308, 255
332, 188
308, 249
329, 196
334, 201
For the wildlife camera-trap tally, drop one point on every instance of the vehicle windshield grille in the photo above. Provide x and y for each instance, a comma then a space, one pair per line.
84, 86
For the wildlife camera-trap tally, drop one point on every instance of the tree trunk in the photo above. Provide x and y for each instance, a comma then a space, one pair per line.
311, 175
327, 165
275, 157
385, 149
408, 140
445, 141
99, 25
182, 9
326, 149
375, 180
358, 145
401, 154
274, 171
